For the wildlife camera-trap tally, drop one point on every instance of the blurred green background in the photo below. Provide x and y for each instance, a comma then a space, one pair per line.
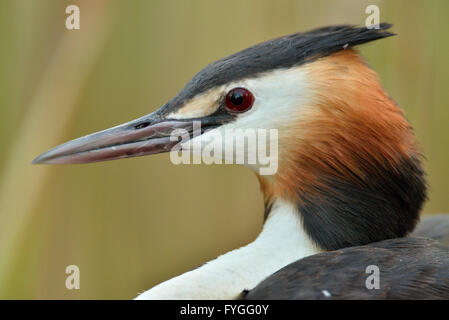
133, 223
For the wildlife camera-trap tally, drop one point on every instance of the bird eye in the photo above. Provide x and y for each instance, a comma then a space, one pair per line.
239, 100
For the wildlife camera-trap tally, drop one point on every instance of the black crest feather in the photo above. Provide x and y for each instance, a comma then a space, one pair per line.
284, 52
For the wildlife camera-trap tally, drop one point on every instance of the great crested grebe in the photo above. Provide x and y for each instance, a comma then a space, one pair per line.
349, 185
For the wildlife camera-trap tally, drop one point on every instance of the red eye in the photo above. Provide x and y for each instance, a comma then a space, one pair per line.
239, 100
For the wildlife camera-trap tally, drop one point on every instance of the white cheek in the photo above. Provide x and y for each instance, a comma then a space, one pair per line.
279, 97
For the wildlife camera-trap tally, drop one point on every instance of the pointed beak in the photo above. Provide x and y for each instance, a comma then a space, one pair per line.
147, 135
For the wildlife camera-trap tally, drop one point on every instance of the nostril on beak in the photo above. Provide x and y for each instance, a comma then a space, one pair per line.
141, 125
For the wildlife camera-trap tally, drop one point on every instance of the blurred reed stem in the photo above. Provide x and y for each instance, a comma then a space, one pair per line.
54, 102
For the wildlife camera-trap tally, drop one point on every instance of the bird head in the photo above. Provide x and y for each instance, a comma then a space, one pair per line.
346, 156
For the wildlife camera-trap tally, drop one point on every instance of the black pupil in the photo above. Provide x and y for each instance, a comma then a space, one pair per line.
237, 98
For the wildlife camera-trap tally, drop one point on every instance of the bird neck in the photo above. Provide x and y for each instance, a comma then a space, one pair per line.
349, 159
342, 213
281, 242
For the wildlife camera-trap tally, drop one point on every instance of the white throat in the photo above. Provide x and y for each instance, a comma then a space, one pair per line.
282, 241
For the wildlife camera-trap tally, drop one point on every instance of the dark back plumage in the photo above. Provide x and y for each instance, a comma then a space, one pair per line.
434, 227
409, 268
